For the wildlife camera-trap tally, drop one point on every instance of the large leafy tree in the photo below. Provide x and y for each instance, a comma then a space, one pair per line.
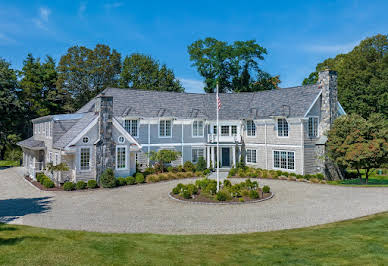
84, 72
10, 109
357, 143
143, 72
362, 77
235, 67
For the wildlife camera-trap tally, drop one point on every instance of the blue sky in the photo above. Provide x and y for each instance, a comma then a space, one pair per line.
297, 34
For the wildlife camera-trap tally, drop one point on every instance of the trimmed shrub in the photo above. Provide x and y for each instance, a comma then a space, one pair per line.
265, 174
266, 189
211, 188
170, 169
39, 176
48, 183
68, 186
227, 183
201, 164
189, 166
232, 172
192, 189
80, 185
241, 200
206, 171
186, 194
171, 176
151, 178
244, 192
130, 180
180, 175
253, 194
121, 181
299, 176
108, 179
307, 176
176, 190
92, 184
139, 178
148, 171
320, 176
222, 195
188, 174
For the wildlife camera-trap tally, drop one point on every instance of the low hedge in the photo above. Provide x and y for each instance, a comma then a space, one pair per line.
68, 186
170, 176
130, 180
92, 184
139, 178
80, 185
48, 183
121, 181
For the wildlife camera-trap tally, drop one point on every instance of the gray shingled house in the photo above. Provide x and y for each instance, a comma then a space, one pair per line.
278, 129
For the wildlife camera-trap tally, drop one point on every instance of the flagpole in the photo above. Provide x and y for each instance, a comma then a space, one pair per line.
218, 141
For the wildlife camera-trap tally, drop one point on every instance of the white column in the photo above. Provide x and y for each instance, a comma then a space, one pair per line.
213, 157
208, 157
234, 155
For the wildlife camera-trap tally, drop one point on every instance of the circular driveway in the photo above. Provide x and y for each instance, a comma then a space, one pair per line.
148, 209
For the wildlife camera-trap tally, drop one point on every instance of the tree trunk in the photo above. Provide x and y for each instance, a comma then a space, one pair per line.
366, 176
359, 175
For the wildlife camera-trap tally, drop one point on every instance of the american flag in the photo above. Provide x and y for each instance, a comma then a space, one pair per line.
218, 102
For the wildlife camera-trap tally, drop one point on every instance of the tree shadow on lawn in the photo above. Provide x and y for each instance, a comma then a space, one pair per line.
11, 209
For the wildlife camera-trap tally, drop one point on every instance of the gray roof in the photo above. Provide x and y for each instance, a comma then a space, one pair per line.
31, 143
290, 102
73, 132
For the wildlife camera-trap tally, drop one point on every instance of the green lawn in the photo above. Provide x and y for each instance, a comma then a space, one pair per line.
374, 179
9, 163
361, 241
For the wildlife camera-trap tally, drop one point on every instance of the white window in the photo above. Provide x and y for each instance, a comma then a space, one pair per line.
198, 129
165, 128
85, 159
251, 156
282, 127
121, 139
251, 128
121, 157
56, 162
47, 128
225, 131
131, 126
215, 130
313, 126
284, 160
39, 128
85, 140
50, 159
234, 130
195, 154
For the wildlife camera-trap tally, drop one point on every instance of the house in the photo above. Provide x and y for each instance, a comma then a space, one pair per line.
277, 129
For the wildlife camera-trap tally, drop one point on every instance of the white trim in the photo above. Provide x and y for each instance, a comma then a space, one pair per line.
284, 169
119, 141
277, 128
82, 133
137, 127
192, 128
86, 141
171, 125
253, 136
311, 106
272, 145
122, 130
246, 156
308, 129
126, 157
197, 148
79, 159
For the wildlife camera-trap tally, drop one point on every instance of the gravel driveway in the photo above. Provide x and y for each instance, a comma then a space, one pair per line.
147, 208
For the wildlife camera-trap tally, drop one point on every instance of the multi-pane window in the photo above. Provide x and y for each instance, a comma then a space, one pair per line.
165, 128
282, 127
38, 125
56, 162
313, 126
284, 160
215, 130
47, 128
121, 157
251, 156
195, 154
224, 130
50, 158
251, 128
131, 126
85, 159
234, 130
198, 129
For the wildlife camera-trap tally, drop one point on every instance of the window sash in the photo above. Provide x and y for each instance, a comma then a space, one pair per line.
282, 127
215, 130
131, 126
85, 159
251, 156
251, 128
196, 153
198, 128
225, 131
284, 160
234, 130
121, 153
313, 126
165, 128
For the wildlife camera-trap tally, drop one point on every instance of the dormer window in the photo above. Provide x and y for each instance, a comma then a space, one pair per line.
132, 126
251, 128
282, 127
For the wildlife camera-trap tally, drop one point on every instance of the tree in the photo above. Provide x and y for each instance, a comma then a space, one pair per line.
10, 108
362, 77
235, 67
62, 167
84, 72
357, 143
143, 72
163, 157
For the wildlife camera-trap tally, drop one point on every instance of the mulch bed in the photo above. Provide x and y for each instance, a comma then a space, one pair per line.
206, 199
40, 186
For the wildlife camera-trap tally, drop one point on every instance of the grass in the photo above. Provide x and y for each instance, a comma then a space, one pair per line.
373, 180
9, 163
362, 241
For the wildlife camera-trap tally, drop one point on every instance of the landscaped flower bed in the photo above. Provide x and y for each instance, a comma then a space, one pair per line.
250, 172
205, 190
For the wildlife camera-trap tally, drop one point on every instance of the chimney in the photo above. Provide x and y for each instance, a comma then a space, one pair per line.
105, 148
327, 82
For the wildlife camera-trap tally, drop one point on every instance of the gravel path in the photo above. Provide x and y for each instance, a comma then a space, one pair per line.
147, 208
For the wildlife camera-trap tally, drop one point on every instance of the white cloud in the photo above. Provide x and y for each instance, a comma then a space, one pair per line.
331, 48
4, 39
192, 85
113, 5
43, 19
82, 9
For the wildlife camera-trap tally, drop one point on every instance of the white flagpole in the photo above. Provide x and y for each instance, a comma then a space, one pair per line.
218, 140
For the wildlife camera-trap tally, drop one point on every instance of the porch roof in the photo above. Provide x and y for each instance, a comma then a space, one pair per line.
31, 143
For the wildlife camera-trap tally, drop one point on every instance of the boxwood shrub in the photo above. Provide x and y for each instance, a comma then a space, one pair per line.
253, 194
130, 180
139, 178
108, 179
266, 189
68, 186
92, 184
80, 185
121, 181
48, 183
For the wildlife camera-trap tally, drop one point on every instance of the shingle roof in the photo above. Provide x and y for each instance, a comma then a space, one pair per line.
31, 143
291, 102
83, 122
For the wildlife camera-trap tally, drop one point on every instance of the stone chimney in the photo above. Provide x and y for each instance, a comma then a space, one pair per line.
105, 148
327, 82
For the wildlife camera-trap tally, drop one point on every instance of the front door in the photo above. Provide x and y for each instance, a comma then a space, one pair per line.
225, 157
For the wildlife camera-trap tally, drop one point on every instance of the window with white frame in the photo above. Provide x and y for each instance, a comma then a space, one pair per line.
313, 126
284, 160
131, 125
198, 129
43, 128
251, 155
165, 128
234, 130
56, 162
49, 129
121, 157
196, 153
225, 131
251, 128
282, 127
85, 159
215, 130
39, 127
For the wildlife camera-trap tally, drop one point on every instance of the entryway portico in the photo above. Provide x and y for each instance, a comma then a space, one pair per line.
228, 154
